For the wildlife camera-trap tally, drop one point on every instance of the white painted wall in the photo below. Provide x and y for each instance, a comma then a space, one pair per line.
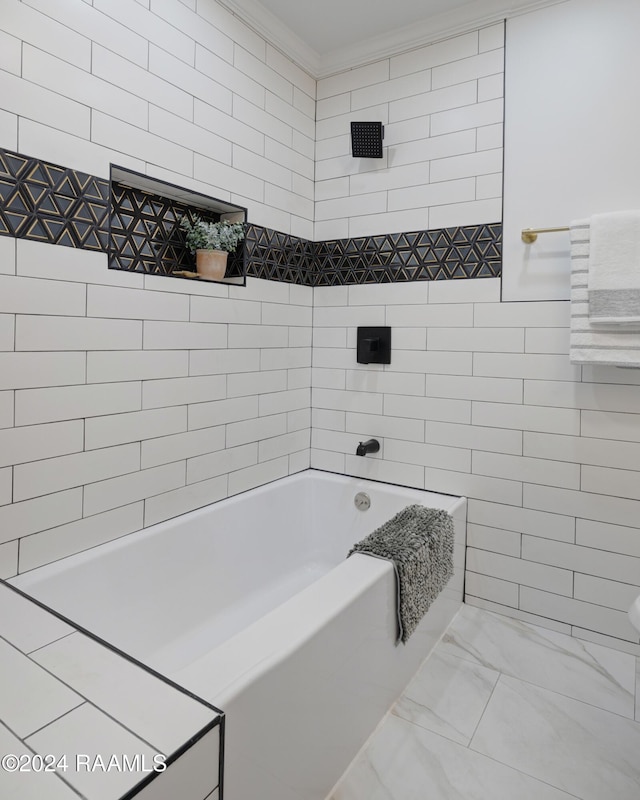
572, 127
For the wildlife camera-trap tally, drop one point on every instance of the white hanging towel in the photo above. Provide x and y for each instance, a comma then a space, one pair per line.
589, 343
614, 270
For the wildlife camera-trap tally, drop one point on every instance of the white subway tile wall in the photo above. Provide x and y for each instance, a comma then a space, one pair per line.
547, 456
140, 403
442, 109
193, 96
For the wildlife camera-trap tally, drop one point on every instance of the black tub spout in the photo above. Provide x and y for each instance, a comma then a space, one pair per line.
370, 446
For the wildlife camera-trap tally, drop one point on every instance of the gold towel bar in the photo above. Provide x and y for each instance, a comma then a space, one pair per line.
529, 235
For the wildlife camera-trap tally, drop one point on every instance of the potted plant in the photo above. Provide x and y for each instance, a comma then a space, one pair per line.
211, 242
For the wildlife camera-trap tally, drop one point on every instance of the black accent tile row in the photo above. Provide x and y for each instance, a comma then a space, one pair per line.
279, 256
140, 231
48, 203
472, 251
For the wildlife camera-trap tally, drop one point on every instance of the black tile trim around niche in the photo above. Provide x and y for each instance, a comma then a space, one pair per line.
145, 234
49, 203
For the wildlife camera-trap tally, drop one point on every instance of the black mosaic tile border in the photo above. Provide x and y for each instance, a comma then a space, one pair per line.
471, 251
279, 256
49, 203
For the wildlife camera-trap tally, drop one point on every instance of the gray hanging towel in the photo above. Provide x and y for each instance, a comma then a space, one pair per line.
419, 543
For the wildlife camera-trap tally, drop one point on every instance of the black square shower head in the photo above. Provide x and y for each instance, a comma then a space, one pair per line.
366, 139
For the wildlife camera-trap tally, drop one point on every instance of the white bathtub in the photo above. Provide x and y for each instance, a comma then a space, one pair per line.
251, 604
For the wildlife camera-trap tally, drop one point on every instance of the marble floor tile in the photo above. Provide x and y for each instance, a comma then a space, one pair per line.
638, 689
584, 671
447, 696
583, 750
406, 762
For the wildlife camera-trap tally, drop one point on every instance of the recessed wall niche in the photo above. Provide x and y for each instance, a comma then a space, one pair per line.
144, 226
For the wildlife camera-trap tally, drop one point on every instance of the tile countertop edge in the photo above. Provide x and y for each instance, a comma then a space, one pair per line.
60, 627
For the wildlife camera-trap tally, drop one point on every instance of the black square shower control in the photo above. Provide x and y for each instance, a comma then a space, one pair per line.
374, 345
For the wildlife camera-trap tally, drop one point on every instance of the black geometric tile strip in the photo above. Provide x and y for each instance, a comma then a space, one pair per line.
49, 203
472, 251
277, 256
145, 234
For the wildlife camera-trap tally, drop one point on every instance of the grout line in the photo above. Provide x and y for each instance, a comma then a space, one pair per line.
475, 730
27, 746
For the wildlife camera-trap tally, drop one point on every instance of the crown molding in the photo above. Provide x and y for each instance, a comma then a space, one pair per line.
471, 16
276, 33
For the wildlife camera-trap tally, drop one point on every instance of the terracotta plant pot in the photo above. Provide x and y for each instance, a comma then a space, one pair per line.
211, 264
